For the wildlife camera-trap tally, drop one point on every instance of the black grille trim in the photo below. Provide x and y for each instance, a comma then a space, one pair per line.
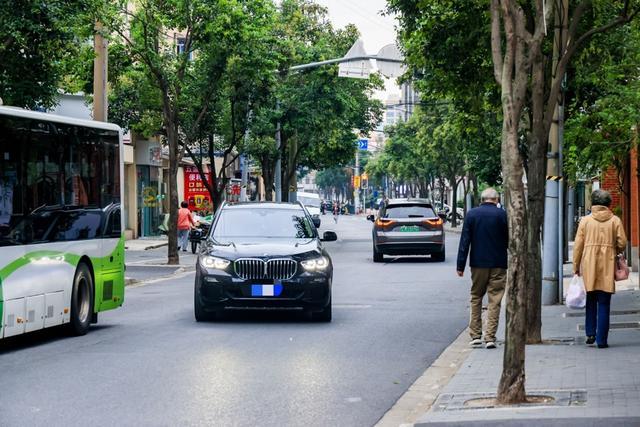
258, 269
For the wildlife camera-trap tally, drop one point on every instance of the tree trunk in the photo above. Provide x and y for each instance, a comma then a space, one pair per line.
512, 73
454, 208
511, 388
535, 197
267, 177
172, 136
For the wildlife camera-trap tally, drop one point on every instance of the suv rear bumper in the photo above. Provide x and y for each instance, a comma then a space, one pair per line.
410, 248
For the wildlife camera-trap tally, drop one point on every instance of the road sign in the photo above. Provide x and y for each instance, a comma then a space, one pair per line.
359, 68
363, 144
390, 69
356, 181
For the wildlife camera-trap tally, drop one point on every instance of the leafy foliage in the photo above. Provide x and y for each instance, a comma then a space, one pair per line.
40, 43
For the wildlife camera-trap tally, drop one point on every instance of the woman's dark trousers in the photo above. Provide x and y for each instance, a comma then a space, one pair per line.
597, 315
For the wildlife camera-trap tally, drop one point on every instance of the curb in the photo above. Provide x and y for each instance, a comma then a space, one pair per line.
421, 395
128, 281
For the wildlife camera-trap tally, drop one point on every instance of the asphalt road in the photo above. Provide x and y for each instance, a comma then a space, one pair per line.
150, 363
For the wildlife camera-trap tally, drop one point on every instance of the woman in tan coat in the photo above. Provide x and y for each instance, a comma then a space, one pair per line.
599, 239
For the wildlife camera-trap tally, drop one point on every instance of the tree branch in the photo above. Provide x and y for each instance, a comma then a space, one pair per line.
496, 41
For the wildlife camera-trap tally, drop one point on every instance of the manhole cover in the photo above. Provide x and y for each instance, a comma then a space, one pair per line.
618, 325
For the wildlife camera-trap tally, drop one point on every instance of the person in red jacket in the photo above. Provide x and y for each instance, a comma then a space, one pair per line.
185, 222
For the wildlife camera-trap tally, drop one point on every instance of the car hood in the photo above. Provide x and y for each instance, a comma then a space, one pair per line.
262, 247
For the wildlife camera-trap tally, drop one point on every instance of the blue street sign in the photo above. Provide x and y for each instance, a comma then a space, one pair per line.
363, 144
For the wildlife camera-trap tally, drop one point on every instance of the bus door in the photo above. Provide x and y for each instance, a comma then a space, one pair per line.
111, 293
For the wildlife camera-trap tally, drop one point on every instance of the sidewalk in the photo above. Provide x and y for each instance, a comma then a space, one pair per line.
146, 260
590, 386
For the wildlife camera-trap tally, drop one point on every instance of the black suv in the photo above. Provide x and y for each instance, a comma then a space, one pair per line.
263, 255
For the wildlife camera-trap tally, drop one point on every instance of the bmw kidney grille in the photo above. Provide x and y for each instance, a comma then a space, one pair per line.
254, 269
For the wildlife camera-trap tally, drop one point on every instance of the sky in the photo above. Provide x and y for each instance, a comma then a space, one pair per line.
376, 30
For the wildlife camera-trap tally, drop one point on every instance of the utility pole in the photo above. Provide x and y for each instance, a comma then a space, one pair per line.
100, 104
356, 189
552, 262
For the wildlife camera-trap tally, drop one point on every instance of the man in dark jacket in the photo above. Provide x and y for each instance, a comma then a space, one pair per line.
486, 232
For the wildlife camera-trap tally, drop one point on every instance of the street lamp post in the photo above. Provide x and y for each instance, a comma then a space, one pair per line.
388, 57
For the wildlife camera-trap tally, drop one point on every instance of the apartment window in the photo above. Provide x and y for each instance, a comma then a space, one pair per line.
181, 44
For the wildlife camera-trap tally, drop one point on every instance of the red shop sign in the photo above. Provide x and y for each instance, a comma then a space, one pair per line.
195, 192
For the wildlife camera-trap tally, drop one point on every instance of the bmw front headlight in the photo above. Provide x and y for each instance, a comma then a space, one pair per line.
208, 261
315, 264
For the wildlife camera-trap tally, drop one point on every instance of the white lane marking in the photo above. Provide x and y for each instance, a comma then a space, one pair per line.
353, 399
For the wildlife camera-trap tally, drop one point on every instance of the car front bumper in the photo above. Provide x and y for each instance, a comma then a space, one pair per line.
221, 290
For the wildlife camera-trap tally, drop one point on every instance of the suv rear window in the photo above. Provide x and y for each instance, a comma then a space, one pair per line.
409, 211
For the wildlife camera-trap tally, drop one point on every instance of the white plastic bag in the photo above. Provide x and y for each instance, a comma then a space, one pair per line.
576, 295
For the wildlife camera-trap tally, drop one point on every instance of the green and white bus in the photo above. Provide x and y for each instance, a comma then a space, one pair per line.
61, 243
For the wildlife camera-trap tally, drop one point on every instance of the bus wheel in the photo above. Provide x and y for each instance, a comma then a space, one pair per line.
81, 301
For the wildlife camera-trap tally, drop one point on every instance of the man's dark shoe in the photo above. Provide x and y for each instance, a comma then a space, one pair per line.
591, 339
603, 345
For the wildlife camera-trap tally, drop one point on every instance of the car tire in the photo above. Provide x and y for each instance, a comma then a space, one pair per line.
199, 311
194, 247
324, 315
377, 256
81, 301
439, 256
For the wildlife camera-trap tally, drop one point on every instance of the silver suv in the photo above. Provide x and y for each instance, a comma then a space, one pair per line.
407, 227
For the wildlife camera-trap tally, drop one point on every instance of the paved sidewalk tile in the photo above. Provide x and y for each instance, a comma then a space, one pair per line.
609, 379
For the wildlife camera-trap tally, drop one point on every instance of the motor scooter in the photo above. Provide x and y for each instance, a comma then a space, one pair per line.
198, 234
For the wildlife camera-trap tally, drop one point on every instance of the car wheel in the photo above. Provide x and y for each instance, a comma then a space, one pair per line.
324, 315
199, 311
194, 247
81, 301
377, 256
439, 257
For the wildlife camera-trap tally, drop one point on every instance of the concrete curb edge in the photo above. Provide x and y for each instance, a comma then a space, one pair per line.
128, 281
421, 395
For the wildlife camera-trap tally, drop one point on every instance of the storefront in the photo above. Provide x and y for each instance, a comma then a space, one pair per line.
149, 185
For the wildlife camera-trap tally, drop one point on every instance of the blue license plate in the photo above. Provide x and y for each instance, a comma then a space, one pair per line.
266, 290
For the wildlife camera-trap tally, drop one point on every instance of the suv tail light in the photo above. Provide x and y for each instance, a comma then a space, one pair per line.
434, 221
384, 222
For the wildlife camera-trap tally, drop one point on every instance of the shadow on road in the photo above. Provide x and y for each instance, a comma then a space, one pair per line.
264, 317
410, 260
41, 337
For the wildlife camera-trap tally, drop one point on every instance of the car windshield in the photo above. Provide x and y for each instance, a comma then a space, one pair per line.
309, 201
263, 223
409, 211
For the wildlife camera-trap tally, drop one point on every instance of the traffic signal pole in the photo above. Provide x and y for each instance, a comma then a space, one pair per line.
553, 260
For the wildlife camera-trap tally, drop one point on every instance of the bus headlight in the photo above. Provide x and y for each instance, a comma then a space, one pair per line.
208, 261
315, 264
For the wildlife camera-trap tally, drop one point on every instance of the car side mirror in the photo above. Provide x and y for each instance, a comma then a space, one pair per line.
329, 236
316, 221
371, 218
442, 215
